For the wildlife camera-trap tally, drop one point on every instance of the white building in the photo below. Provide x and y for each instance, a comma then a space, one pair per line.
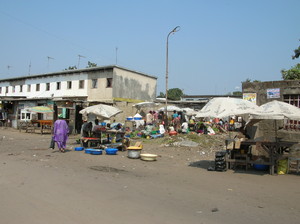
71, 90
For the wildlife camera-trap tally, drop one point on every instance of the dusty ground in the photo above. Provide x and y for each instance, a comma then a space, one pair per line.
38, 185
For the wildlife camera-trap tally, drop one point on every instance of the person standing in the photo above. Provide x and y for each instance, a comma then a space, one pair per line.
149, 118
60, 134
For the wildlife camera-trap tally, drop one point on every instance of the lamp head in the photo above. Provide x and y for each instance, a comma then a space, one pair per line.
176, 29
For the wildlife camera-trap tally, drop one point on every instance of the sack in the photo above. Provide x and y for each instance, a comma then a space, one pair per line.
52, 143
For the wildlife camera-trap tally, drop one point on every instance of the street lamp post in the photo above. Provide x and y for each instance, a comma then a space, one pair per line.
176, 29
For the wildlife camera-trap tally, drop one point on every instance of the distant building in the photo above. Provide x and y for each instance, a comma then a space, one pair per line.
198, 101
287, 91
70, 91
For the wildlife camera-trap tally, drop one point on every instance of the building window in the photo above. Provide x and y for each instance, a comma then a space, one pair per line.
94, 83
28, 88
47, 86
109, 82
293, 100
0, 90
21, 88
69, 85
6, 90
37, 87
58, 85
81, 84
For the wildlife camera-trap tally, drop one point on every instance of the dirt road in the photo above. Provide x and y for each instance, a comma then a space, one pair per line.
40, 185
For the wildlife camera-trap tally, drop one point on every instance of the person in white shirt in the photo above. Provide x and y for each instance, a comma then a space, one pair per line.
184, 127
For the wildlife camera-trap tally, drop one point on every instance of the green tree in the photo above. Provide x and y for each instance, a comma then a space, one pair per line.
71, 68
175, 94
91, 64
237, 93
161, 95
297, 53
291, 74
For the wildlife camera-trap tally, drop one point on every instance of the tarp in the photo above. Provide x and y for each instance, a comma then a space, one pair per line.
101, 110
170, 108
221, 107
39, 109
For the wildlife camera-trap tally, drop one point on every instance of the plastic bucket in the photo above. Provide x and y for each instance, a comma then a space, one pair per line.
134, 153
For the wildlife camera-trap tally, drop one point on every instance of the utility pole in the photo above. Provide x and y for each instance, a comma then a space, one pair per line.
116, 55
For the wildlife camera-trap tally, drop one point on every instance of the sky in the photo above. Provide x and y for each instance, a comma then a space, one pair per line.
220, 44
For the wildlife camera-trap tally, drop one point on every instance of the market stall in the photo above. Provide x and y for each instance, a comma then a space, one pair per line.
239, 153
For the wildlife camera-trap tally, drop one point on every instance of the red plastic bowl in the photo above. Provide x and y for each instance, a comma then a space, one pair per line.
171, 133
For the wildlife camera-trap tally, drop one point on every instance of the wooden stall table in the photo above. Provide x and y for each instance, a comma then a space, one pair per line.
45, 125
274, 150
28, 125
111, 132
88, 142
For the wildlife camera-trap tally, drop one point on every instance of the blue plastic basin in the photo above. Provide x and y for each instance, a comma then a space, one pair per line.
79, 148
260, 167
88, 151
96, 152
111, 151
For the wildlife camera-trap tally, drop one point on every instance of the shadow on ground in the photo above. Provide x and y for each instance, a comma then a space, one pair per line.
210, 164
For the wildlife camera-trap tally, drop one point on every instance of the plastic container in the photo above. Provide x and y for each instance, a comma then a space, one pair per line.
260, 167
88, 151
96, 152
137, 118
111, 151
148, 157
172, 133
79, 148
129, 118
134, 153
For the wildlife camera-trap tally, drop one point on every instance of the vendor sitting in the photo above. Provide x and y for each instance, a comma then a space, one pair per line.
97, 129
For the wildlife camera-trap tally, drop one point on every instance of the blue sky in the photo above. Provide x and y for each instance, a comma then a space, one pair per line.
221, 43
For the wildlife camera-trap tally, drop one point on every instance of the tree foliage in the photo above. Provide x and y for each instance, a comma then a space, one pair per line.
71, 68
291, 74
297, 53
175, 94
237, 93
161, 95
91, 64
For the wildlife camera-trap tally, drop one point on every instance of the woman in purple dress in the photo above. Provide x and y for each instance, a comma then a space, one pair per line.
60, 132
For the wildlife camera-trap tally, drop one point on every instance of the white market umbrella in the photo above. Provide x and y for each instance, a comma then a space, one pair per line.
189, 111
145, 105
170, 108
277, 110
101, 110
221, 107
274, 110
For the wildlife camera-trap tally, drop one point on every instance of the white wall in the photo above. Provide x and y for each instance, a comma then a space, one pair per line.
53, 92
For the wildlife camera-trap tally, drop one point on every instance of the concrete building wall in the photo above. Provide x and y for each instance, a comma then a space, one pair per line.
266, 129
102, 91
132, 85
